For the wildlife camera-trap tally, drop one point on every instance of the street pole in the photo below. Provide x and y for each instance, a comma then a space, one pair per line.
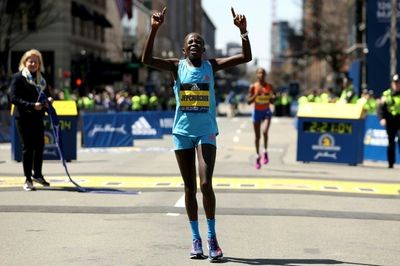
364, 44
393, 39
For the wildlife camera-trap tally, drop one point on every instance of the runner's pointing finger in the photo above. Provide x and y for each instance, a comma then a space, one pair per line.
233, 12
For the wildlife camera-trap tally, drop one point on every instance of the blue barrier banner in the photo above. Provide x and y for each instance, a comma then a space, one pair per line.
5, 123
375, 141
378, 42
4, 133
106, 130
166, 119
119, 129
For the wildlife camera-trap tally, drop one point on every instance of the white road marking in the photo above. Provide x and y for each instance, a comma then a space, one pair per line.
173, 214
181, 202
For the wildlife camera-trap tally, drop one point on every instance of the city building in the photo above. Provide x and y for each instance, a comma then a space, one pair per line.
182, 17
87, 44
325, 32
208, 32
279, 42
78, 35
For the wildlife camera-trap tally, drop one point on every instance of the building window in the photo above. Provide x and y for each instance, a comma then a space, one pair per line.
81, 28
73, 22
102, 35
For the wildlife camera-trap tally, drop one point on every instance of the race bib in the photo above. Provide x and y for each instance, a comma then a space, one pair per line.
194, 97
262, 99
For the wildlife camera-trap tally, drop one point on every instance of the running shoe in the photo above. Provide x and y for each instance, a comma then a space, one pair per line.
41, 181
28, 186
265, 158
258, 163
214, 251
197, 249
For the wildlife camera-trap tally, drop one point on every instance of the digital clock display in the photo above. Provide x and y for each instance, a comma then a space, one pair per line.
327, 127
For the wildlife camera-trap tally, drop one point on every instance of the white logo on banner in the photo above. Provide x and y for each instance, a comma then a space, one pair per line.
383, 15
142, 127
166, 122
383, 39
384, 10
376, 137
106, 128
50, 152
326, 147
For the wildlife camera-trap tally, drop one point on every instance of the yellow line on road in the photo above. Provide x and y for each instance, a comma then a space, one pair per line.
98, 181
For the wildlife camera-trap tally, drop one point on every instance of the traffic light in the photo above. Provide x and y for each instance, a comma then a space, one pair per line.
78, 82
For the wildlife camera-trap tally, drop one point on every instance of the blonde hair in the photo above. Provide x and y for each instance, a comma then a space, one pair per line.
27, 54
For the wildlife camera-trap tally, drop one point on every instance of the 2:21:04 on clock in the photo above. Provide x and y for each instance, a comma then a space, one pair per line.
327, 127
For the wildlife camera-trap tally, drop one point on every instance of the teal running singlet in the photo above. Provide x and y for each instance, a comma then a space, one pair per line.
195, 113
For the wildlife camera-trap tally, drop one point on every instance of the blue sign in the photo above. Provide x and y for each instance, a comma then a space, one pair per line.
119, 129
376, 141
378, 42
330, 140
68, 127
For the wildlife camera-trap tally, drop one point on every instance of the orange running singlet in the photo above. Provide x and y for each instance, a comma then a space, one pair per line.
263, 97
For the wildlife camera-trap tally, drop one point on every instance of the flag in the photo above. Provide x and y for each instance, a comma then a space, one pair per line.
124, 7
129, 8
121, 7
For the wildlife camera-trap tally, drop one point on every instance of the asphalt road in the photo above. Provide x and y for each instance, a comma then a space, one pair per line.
286, 213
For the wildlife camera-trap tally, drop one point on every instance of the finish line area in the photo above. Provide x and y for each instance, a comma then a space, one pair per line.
219, 183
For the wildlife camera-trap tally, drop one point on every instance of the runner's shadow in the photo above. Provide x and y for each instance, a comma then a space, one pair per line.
292, 262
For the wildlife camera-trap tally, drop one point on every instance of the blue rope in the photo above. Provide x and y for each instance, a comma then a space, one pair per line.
55, 124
